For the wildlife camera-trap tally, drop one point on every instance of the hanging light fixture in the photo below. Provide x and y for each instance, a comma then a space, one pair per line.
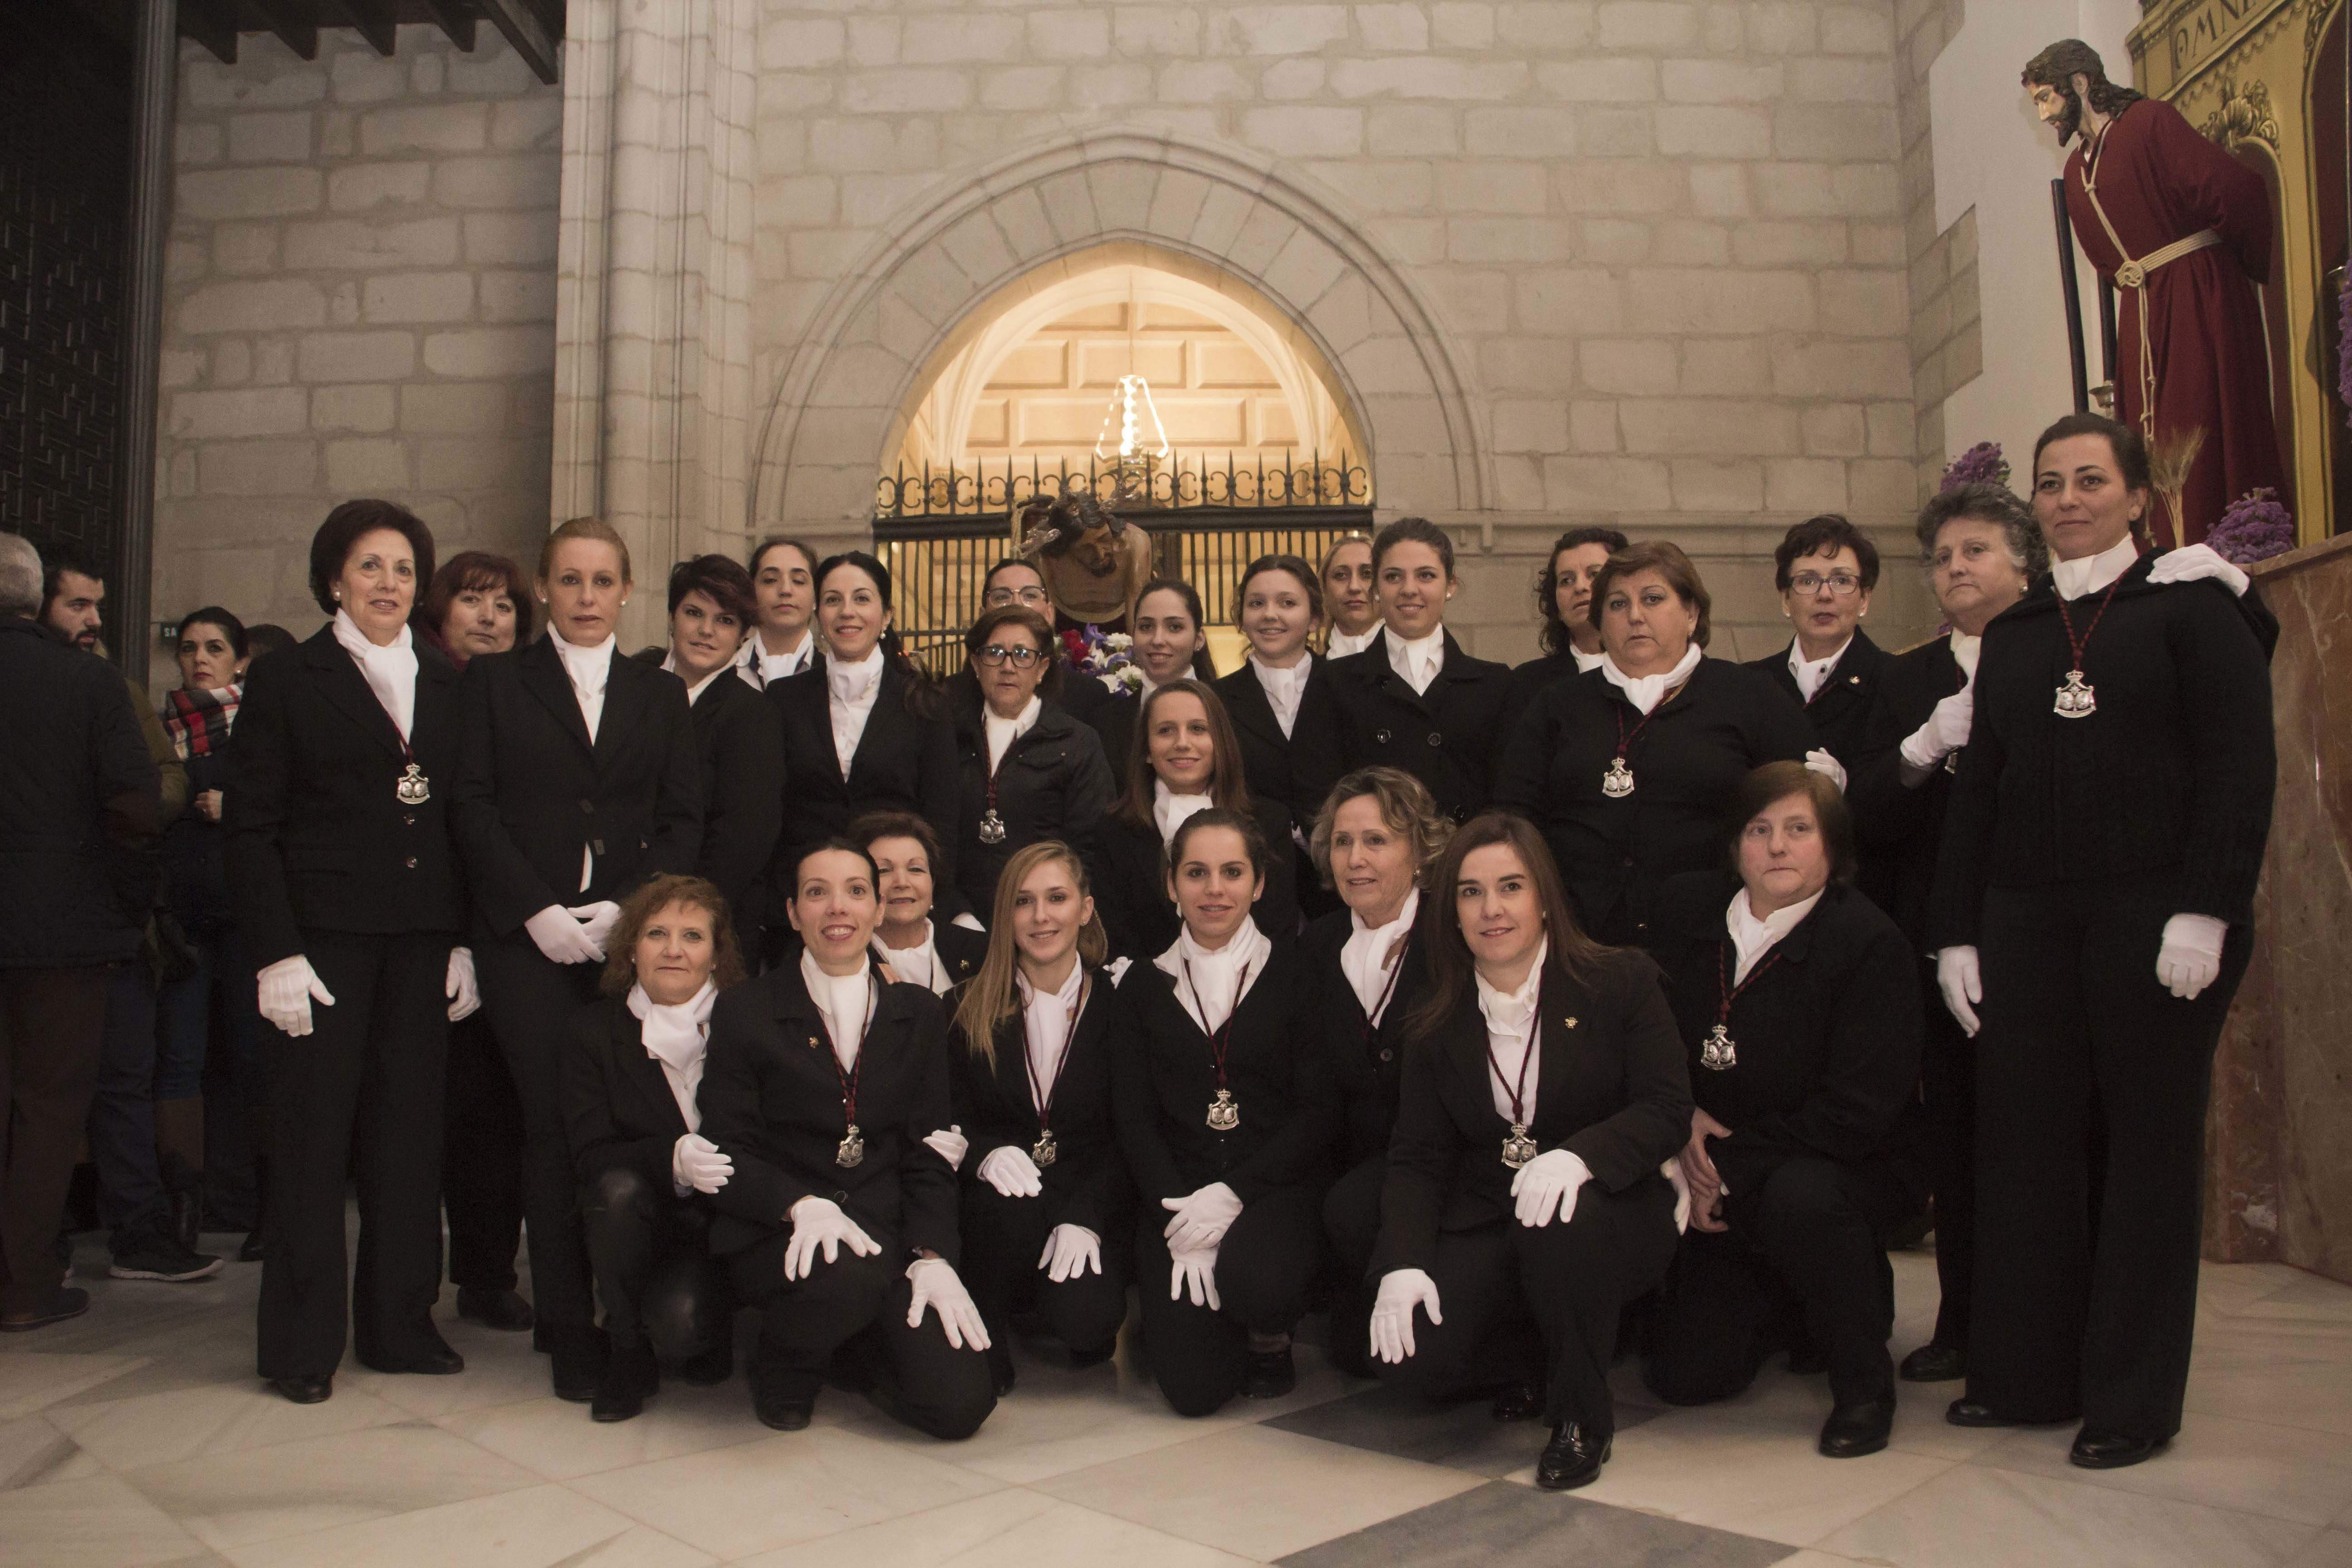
1131, 431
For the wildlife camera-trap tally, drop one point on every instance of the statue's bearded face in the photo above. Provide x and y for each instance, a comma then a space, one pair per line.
1096, 552
2059, 109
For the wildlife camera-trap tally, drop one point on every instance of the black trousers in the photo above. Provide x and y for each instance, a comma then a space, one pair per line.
481, 1166
1265, 1265
935, 1387
650, 1250
123, 1110
534, 1008
1003, 1239
1948, 1083
366, 1079
2077, 1027
1805, 1241
1351, 1224
51, 1025
1571, 1281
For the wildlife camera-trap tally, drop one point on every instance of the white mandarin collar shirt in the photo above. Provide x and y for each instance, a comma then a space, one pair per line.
842, 1001
591, 669
851, 689
2093, 573
1752, 938
916, 965
1584, 661
1512, 1036
1812, 672
1370, 956
1002, 732
760, 667
1283, 689
390, 671
1340, 644
1419, 659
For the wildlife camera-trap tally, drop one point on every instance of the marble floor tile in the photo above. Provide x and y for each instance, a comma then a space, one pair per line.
2307, 1296
557, 1439
97, 1521
538, 1527
2233, 1287
2286, 1372
785, 1487
167, 1358
233, 1499
1971, 1516
2330, 1549
1010, 1528
32, 1381
2279, 1472
33, 1452
1464, 1436
1258, 1493
506, 1372
1503, 1526
221, 1418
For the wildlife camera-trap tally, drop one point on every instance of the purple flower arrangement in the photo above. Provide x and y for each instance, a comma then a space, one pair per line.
1108, 656
2254, 527
1981, 464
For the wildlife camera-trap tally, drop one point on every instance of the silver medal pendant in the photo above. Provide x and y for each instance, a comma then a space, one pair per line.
2075, 700
1618, 782
1518, 1148
413, 789
851, 1152
1716, 1053
1951, 762
1224, 1114
1042, 1152
992, 827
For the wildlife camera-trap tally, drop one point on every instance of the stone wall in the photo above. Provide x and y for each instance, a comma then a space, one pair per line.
360, 302
1947, 320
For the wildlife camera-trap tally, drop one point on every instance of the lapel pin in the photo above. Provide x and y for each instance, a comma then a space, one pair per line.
1853, 680
812, 1042
1570, 1022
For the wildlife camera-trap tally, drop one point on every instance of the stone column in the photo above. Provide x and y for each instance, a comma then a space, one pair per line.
652, 371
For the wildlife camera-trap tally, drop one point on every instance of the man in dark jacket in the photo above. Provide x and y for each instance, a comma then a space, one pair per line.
78, 822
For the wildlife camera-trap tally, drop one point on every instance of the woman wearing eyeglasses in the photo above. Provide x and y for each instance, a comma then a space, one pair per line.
1016, 580
1825, 570
1027, 770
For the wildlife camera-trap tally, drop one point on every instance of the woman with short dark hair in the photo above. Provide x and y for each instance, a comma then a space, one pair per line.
1826, 569
1569, 640
479, 602
935, 955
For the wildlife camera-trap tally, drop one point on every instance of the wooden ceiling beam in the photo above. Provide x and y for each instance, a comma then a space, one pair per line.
454, 20
213, 24
372, 18
521, 23
297, 26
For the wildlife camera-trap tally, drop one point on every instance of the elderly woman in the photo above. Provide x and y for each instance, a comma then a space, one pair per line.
1826, 569
1570, 640
1367, 965
937, 956
1629, 769
644, 1169
1352, 605
1799, 1009
1543, 1091
2094, 898
1027, 770
1981, 548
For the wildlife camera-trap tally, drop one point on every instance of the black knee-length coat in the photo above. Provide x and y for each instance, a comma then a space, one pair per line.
1449, 737
994, 1105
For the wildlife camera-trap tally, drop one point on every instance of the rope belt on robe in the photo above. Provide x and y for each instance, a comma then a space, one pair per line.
2133, 275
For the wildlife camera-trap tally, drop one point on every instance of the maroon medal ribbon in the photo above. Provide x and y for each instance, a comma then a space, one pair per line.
1224, 1114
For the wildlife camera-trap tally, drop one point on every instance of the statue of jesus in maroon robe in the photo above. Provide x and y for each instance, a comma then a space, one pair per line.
2179, 226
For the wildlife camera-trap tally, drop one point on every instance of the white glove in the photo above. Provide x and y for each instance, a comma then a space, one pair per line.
1402, 1289
819, 1222
1672, 1172
1546, 1182
949, 1144
2190, 956
597, 921
1962, 984
695, 1162
2194, 560
464, 992
287, 988
1829, 767
1198, 1272
938, 1287
1012, 1173
1070, 1250
1201, 1219
1946, 730
562, 937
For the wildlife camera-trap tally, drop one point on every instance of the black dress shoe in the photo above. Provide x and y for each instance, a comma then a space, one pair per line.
1970, 1413
1271, 1374
1859, 1428
631, 1376
578, 1355
65, 1301
779, 1410
2094, 1452
1572, 1458
1000, 1367
1522, 1401
504, 1310
1082, 1359
254, 1250
1932, 1363
436, 1359
304, 1390
711, 1368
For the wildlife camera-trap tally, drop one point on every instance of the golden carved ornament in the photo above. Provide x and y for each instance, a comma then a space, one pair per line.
2243, 115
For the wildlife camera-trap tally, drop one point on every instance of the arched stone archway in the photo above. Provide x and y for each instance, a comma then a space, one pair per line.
902, 310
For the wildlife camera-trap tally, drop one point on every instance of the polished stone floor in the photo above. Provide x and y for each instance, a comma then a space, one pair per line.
138, 1435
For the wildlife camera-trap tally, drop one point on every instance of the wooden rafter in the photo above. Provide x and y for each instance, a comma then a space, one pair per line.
372, 18
519, 21
213, 24
454, 20
296, 24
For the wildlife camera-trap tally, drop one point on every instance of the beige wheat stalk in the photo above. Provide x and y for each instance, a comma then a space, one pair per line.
2169, 459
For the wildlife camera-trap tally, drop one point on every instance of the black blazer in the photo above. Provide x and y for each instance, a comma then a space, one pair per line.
2173, 775
317, 835
1088, 1180
1611, 1088
1450, 737
1128, 868
1365, 1064
742, 759
1842, 703
1529, 679
961, 950
532, 791
1113, 721
1900, 827
770, 1098
1297, 769
1165, 1078
618, 1112
1688, 763
904, 761
1053, 783
1826, 1036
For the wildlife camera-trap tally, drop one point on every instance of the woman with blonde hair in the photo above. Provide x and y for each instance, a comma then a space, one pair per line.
1046, 1195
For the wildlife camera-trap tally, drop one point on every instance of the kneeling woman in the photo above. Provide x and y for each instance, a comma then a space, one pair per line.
1045, 1209
1798, 1004
1544, 1089
821, 1082
1225, 1115
645, 1170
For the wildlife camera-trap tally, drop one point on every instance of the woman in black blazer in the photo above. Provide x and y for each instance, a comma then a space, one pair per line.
1226, 1118
823, 1082
579, 782
1799, 1004
1544, 1094
1185, 760
1028, 771
1369, 966
1046, 1200
346, 886
1826, 569
644, 1170
864, 691
938, 956
1282, 705
1628, 770
1570, 640
1170, 643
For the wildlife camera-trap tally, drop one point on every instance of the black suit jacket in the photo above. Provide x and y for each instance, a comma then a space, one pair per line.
618, 1112
533, 791
1450, 737
742, 759
1129, 866
1842, 704
1297, 769
904, 761
1365, 1063
1529, 679
1610, 1088
1051, 783
1088, 1179
1900, 827
317, 835
770, 1098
